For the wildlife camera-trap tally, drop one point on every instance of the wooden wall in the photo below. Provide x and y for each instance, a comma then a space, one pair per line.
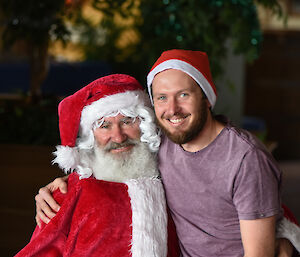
24, 169
273, 91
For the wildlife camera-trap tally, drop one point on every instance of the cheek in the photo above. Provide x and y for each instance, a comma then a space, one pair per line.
134, 132
193, 107
101, 138
158, 110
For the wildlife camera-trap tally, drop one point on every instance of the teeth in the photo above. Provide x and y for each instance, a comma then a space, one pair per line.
176, 120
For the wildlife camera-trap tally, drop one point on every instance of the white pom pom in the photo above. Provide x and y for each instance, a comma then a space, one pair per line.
66, 157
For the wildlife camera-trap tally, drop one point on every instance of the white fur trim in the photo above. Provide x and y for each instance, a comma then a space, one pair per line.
290, 231
149, 217
188, 69
67, 158
107, 105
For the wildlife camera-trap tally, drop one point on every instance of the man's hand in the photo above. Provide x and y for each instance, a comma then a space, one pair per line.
284, 248
46, 206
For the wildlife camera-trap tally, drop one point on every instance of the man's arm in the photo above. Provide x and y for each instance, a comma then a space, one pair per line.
46, 206
258, 237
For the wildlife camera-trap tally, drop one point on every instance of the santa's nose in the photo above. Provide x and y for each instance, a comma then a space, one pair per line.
118, 135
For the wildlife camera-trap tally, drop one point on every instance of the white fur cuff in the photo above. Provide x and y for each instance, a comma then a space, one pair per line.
290, 231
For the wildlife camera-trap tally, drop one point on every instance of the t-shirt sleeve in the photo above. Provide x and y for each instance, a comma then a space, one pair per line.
256, 192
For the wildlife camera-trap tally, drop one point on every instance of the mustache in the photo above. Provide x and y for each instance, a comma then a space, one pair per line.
113, 145
177, 115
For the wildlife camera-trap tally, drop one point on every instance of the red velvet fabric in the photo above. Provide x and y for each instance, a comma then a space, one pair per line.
173, 243
289, 215
94, 220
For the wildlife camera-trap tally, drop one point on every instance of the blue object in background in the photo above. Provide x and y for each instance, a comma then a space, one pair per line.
255, 125
63, 78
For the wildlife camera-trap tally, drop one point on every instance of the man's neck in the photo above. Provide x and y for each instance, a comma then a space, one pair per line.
207, 135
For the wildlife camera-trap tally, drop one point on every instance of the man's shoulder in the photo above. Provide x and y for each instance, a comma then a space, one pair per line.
250, 149
244, 139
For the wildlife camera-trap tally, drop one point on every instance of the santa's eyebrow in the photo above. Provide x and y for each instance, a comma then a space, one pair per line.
127, 118
105, 123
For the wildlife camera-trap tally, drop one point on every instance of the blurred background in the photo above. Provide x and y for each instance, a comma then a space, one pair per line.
49, 49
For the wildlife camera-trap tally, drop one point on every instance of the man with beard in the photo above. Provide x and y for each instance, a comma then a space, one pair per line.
115, 205
228, 176
222, 186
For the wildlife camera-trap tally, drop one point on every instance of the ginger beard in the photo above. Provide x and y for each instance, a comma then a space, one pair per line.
136, 163
182, 137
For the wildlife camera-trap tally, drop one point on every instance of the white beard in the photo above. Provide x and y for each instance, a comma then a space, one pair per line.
138, 163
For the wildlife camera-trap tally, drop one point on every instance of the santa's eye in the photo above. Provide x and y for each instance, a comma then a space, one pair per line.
105, 125
128, 121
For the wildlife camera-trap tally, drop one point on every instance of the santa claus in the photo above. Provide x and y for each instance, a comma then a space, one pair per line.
115, 205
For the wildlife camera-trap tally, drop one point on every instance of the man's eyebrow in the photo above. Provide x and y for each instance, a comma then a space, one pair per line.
158, 94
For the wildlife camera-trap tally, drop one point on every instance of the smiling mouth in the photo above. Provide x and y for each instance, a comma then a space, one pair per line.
177, 120
121, 149
114, 147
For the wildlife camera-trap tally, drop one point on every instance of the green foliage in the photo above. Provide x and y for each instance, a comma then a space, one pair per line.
100, 41
202, 25
205, 25
32, 21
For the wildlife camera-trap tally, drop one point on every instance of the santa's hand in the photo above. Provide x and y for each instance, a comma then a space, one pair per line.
46, 206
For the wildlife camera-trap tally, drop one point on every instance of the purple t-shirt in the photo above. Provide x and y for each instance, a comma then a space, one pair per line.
209, 191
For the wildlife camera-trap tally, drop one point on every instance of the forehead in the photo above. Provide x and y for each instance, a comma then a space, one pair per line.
173, 79
119, 117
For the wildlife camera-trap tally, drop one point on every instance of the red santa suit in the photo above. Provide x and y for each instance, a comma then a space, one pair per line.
101, 218
97, 217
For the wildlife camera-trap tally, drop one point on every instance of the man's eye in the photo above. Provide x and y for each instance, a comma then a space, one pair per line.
183, 94
161, 98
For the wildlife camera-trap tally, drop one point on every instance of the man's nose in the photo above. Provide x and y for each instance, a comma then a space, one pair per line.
173, 106
118, 135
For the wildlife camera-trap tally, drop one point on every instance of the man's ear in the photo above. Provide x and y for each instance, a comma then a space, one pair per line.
208, 104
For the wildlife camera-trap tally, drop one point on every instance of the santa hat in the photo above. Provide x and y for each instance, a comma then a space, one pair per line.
78, 112
193, 63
